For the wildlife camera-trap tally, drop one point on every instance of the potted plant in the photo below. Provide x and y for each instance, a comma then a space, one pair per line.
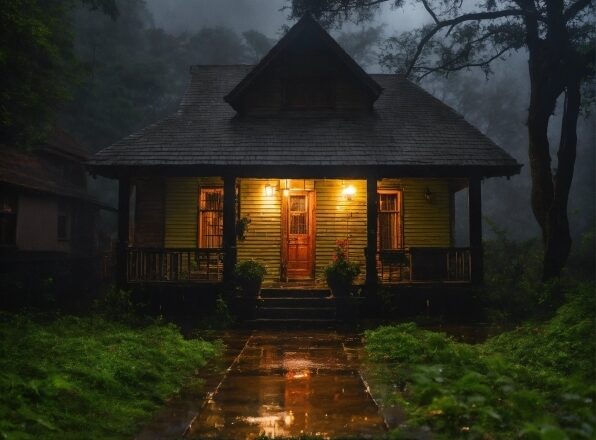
242, 227
341, 272
249, 274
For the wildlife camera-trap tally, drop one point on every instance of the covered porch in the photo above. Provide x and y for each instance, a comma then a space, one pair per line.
399, 229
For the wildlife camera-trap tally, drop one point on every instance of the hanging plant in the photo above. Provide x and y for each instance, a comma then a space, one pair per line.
242, 227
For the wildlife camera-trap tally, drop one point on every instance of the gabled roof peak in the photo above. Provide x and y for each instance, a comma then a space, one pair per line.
305, 24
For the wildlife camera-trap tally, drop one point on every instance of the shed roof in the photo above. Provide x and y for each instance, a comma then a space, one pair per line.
31, 171
408, 128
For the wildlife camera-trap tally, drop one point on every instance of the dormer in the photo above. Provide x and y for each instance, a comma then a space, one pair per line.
306, 71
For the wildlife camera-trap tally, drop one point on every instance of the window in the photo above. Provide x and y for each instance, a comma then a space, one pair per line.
64, 222
210, 217
389, 220
298, 222
309, 93
8, 218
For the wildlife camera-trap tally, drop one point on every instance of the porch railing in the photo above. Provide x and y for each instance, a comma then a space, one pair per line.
416, 264
174, 264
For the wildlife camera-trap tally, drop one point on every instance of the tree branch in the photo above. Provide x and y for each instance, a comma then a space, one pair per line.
576, 8
430, 11
445, 67
475, 16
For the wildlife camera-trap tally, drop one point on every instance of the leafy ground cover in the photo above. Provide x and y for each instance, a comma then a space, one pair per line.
536, 382
77, 378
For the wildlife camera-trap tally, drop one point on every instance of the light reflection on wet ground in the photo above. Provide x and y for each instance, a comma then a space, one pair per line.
287, 383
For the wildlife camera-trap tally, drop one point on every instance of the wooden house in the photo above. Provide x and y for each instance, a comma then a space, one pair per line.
48, 219
305, 149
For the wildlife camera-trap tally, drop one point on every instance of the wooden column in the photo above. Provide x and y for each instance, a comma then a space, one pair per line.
475, 213
371, 232
123, 225
229, 227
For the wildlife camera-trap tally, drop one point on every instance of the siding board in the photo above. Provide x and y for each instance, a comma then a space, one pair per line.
426, 224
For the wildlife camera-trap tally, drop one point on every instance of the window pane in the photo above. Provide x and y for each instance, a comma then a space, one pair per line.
298, 223
388, 202
389, 234
211, 218
298, 203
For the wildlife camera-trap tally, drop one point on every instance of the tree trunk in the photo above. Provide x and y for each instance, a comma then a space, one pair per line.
543, 98
558, 238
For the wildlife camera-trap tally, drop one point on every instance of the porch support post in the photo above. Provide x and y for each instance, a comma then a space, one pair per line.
475, 212
123, 225
229, 228
371, 232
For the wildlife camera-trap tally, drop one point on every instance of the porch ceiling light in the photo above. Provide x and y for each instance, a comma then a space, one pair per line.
348, 192
268, 190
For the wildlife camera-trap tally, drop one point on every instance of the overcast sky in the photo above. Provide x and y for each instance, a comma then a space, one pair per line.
265, 16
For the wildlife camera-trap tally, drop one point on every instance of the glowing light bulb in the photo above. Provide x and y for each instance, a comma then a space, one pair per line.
348, 192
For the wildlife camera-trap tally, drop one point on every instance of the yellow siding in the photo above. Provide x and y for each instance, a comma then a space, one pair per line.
263, 240
338, 219
426, 224
181, 209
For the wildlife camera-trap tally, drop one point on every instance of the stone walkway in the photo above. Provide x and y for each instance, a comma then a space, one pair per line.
287, 383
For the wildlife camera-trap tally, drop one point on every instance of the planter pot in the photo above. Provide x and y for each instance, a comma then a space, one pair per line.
339, 287
251, 289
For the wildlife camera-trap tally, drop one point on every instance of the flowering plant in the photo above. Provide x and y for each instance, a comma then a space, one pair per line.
341, 272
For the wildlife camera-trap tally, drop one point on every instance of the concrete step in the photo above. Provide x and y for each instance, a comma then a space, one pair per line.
296, 302
296, 313
291, 323
294, 293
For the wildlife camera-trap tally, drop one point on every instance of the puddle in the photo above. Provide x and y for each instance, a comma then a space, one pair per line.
288, 384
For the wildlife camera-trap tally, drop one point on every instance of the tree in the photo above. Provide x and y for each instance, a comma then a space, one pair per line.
558, 36
360, 44
258, 44
134, 73
36, 64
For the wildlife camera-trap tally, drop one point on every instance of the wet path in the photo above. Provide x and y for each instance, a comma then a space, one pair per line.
288, 383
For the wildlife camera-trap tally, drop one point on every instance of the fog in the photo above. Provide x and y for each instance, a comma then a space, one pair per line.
497, 106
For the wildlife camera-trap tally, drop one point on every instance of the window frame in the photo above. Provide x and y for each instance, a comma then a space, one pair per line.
399, 227
200, 211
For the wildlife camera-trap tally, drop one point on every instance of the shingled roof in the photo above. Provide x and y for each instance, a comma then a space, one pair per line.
408, 131
408, 127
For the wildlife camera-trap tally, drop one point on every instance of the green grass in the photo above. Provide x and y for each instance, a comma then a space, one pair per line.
75, 378
537, 382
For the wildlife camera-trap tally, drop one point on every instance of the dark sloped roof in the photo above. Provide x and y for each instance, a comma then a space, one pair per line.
408, 127
306, 24
63, 142
30, 171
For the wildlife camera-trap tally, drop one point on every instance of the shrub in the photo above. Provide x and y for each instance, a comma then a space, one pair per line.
249, 274
89, 377
534, 382
341, 273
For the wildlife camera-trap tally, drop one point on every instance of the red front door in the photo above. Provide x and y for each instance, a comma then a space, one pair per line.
298, 236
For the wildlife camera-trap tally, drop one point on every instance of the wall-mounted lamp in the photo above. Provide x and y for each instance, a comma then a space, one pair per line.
268, 190
286, 188
428, 195
348, 192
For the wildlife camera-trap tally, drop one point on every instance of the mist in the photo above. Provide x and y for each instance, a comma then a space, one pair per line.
211, 32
